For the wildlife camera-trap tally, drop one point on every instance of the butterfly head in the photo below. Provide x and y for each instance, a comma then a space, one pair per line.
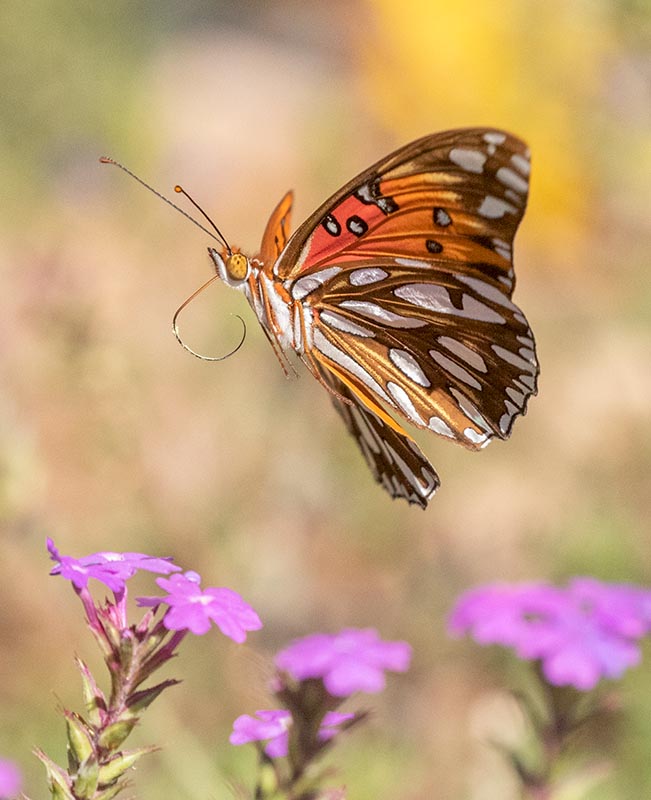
232, 267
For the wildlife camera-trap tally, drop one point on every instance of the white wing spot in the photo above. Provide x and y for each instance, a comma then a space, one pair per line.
442, 218
517, 199
376, 312
473, 309
494, 208
486, 290
408, 365
511, 409
494, 137
511, 358
528, 354
464, 353
528, 380
437, 298
420, 488
517, 397
362, 277
502, 248
308, 283
470, 409
441, 427
328, 349
521, 163
404, 402
343, 324
474, 437
454, 369
469, 160
413, 262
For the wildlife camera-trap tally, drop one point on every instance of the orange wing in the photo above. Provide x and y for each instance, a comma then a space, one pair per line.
406, 275
276, 233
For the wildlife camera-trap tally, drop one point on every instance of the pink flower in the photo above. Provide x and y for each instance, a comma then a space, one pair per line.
353, 660
273, 727
580, 634
112, 569
10, 779
192, 608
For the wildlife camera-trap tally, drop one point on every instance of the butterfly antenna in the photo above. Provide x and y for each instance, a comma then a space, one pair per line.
182, 191
107, 160
175, 327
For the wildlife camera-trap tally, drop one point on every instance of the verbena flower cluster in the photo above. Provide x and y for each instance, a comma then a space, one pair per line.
314, 676
580, 634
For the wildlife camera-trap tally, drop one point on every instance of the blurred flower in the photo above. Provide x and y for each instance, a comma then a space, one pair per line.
580, 634
97, 765
112, 569
10, 779
353, 660
273, 726
193, 609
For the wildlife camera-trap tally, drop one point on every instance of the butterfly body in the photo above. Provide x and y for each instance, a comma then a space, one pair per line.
396, 294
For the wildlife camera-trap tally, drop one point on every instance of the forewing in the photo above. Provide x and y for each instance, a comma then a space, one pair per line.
454, 197
394, 459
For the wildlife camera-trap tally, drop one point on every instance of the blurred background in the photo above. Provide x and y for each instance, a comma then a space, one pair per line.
113, 437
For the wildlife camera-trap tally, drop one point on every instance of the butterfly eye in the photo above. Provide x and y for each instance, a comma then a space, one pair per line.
237, 265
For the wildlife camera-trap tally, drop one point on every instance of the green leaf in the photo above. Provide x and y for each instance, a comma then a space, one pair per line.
85, 783
111, 791
94, 699
139, 701
117, 766
113, 735
58, 779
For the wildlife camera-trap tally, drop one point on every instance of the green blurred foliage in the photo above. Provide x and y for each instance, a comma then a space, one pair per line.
112, 437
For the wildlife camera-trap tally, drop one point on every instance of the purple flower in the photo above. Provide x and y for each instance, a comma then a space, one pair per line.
580, 634
10, 779
192, 608
353, 660
112, 569
273, 727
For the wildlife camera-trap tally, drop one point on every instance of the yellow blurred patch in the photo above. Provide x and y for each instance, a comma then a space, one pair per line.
531, 68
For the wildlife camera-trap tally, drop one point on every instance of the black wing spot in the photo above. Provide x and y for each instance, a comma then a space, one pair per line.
441, 217
433, 247
387, 205
331, 225
356, 225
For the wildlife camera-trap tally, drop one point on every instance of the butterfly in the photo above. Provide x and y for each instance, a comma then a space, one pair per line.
396, 295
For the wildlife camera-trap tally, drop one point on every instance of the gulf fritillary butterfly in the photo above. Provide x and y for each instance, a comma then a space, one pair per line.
396, 294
